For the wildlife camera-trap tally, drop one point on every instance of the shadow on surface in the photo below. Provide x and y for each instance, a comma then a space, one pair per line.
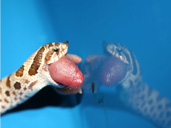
48, 97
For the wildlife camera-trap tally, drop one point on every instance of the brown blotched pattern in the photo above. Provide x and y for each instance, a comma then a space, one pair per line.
6, 100
27, 81
32, 84
14, 93
36, 62
20, 71
20, 85
57, 44
50, 45
48, 56
17, 85
24, 88
8, 82
7, 93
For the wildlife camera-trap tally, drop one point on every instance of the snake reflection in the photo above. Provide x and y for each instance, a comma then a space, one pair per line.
119, 66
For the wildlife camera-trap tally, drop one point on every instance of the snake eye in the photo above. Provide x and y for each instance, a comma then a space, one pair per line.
55, 49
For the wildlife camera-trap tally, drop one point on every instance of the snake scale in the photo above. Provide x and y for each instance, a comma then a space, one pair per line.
35, 74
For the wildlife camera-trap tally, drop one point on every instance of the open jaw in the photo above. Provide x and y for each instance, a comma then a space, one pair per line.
66, 72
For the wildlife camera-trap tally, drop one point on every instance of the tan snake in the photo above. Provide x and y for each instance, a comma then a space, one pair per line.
34, 74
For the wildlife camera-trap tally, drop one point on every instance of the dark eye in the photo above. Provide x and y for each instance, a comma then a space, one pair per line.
56, 50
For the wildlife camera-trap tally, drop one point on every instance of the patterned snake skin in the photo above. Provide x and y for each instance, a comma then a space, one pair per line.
34, 74
136, 94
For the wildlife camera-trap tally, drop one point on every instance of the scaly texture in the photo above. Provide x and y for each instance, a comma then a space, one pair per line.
136, 94
32, 76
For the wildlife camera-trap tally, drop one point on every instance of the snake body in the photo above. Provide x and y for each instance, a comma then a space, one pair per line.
32, 76
136, 94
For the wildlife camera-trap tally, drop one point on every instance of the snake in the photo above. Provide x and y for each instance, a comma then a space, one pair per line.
49, 65
118, 67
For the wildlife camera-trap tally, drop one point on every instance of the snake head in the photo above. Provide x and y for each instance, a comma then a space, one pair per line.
55, 51
61, 68
117, 50
125, 55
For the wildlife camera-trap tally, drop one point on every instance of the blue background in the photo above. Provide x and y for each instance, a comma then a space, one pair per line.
143, 26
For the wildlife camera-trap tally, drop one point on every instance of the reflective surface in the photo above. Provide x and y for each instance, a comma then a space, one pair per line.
119, 67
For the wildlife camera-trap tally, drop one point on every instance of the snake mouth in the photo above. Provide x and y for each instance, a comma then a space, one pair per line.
67, 90
66, 73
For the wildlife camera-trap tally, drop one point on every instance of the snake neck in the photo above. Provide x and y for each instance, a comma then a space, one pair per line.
14, 90
22, 84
